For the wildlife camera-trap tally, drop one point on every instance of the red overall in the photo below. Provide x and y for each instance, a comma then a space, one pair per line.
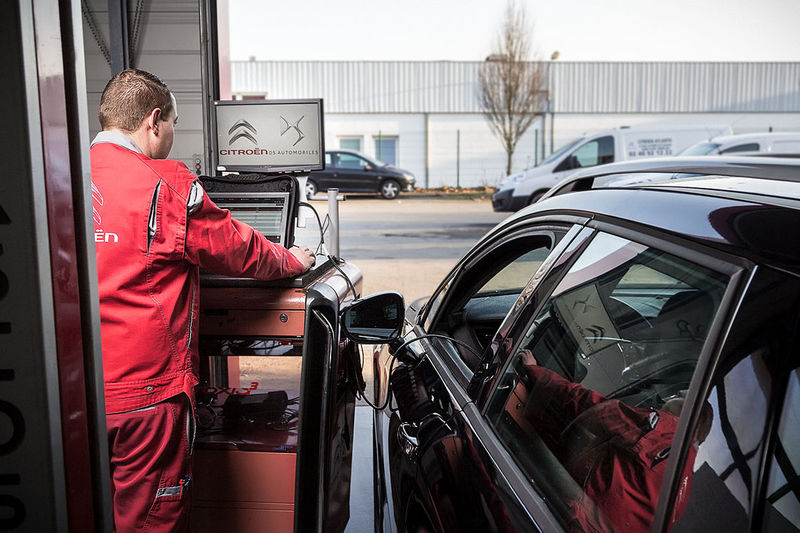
154, 229
621, 470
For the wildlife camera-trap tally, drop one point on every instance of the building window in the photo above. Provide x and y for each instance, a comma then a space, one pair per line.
350, 143
386, 150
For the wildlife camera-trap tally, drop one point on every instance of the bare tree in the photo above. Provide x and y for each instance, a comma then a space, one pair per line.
511, 82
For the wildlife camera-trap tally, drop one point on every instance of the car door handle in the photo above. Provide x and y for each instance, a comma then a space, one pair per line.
406, 437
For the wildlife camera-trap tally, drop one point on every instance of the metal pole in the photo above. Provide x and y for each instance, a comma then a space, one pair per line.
118, 35
333, 214
380, 146
458, 158
427, 150
535, 147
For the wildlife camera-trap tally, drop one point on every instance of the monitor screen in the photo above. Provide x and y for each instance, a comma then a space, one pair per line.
266, 212
269, 136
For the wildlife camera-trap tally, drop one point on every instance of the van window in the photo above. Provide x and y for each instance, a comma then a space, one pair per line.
747, 147
597, 152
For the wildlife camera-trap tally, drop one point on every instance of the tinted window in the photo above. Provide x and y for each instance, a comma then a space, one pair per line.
749, 147
351, 161
782, 508
725, 465
590, 401
328, 158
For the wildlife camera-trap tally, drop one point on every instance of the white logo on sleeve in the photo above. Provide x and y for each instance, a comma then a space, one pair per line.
97, 203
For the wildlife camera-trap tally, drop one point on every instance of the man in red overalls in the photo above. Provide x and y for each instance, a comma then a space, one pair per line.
154, 229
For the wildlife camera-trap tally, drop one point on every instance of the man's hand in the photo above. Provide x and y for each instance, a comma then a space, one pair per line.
304, 255
527, 358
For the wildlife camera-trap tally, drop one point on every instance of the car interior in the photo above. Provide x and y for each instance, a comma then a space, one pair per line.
484, 295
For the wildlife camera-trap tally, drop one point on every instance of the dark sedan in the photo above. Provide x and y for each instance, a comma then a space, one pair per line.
615, 359
351, 171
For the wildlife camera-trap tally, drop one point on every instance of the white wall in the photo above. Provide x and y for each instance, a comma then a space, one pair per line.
482, 158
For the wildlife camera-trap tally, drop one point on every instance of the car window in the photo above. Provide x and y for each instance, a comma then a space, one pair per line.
597, 152
351, 161
590, 400
328, 158
782, 506
476, 304
739, 482
748, 147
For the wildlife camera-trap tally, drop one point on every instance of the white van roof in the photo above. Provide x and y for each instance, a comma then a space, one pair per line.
763, 136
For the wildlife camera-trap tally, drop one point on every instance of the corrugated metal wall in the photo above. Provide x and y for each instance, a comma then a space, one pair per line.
581, 87
168, 45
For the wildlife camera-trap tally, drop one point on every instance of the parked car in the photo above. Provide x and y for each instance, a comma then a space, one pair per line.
614, 359
778, 142
352, 171
620, 144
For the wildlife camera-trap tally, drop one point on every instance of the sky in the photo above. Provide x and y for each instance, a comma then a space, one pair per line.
465, 30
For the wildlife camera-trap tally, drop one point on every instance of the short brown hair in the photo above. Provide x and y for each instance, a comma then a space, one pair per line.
129, 97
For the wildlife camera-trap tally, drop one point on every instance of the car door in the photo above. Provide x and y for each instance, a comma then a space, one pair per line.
326, 178
326, 417
595, 400
431, 473
354, 174
746, 470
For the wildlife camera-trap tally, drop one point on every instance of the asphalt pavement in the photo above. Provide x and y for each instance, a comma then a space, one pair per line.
408, 244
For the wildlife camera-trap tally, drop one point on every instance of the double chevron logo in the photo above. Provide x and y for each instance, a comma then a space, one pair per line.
242, 130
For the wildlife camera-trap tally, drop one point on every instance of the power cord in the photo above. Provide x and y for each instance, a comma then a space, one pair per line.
360, 393
336, 261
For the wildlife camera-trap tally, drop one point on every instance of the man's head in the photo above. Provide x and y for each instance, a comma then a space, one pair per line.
140, 105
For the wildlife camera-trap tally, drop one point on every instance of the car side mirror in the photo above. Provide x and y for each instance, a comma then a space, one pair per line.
367, 167
375, 319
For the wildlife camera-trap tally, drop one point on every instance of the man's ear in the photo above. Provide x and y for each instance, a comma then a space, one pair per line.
153, 118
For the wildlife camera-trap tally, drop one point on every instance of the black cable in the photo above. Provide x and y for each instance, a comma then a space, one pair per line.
361, 394
319, 222
438, 336
335, 260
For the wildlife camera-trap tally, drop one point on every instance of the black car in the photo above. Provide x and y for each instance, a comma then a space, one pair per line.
615, 359
351, 171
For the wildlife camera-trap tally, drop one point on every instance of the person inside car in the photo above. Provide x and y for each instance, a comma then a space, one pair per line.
615, 452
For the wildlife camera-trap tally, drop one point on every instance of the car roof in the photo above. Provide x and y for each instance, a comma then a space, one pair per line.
344, 151
744, 137
749, 207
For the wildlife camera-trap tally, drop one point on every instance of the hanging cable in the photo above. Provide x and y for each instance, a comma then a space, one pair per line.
360, 394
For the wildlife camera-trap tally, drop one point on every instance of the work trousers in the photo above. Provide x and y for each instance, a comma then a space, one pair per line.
151, 468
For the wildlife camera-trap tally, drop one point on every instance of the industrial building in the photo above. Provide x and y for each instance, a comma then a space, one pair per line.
424, 116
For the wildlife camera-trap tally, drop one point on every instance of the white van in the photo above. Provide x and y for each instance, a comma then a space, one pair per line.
621, 144
777, 142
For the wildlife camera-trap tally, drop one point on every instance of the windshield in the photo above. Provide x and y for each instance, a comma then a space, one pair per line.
558, 153
700, 149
